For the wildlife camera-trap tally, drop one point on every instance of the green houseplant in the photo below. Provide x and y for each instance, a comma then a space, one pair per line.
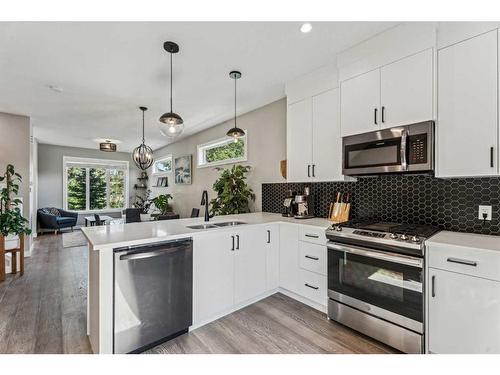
161, 203
233, 193
11, 218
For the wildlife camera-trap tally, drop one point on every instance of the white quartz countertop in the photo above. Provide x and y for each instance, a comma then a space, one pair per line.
469, 240
119, 235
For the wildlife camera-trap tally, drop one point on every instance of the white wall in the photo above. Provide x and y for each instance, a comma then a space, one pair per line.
266, 128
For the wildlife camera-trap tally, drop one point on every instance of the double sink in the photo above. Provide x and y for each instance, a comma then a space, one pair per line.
216, 225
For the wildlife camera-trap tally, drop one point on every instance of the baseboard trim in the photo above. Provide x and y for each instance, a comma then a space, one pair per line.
304, 300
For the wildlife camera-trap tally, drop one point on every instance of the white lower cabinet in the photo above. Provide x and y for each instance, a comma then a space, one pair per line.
271, 235
313, 286
464, 314
289, 257
213, 275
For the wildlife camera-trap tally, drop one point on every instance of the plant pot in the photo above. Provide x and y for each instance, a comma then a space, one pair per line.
145, 217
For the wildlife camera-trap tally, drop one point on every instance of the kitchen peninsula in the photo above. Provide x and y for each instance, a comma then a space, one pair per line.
232, 265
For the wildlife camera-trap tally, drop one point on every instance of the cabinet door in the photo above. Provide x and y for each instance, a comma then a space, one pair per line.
467, 139
359, 103
289, 257
406, 90
299, 141
249, 264
464, 314
327, 142
213, 276
271, 237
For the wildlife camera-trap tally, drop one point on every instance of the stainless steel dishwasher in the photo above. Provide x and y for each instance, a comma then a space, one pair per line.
153, 293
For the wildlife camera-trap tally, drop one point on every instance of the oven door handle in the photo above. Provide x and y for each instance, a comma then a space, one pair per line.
394, 258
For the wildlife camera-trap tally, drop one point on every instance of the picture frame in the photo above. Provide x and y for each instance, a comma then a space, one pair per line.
183, 168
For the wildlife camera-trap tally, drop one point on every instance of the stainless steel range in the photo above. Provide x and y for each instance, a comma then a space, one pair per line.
376, 280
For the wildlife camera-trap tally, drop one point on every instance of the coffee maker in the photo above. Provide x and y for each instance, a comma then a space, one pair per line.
305, 205
289, 205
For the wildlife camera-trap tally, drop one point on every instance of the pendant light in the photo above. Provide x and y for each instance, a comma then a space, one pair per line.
143, 155
171, 124
235, 132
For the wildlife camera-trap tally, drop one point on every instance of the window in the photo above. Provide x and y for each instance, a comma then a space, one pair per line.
94, 185
163, 166
223, 151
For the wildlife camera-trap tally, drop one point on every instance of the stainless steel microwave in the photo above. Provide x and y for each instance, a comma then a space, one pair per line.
403, 149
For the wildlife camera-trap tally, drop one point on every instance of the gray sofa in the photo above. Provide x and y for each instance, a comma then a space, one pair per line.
55, 219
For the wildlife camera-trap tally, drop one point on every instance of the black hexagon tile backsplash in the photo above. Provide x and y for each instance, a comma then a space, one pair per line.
450, 204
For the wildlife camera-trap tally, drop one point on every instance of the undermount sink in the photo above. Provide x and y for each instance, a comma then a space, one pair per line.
201, 226
229, 223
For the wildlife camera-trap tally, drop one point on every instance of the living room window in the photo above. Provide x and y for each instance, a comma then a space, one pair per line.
223, 151
94, 185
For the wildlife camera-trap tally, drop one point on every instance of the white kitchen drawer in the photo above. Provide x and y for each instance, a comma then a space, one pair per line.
312, 234
313, 286
465, 260
313, 257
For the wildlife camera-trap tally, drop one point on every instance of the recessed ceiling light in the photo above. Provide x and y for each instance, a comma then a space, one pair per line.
55, 88
306, 27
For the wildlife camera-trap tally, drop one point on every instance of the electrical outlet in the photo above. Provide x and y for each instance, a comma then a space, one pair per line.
485, 210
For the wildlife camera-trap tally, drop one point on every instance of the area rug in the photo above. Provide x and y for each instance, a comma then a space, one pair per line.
74, 239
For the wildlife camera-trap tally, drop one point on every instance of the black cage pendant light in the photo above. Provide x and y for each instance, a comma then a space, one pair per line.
171, 124
143, 155
235, 132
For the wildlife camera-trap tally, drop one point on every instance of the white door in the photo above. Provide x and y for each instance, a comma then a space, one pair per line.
213, 276
299, 141
406, 90
464, 314
289, 257
250, 260
327, 142
467, 138
360, 103
271, 237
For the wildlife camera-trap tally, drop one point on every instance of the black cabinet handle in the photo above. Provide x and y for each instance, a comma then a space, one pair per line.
311, 286
462, 261
268, 236
311, 257
314, 165
383, 114
312, 235
375, 116
237, 242
309, 171
232, 249
433, 283
492, 152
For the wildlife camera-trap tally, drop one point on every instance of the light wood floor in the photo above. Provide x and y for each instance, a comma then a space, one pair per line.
45, 312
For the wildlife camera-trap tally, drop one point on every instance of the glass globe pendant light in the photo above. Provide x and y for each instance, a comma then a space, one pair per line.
171, 124
143, 154
235, 132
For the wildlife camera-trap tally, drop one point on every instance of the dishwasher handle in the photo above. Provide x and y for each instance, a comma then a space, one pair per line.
152, 254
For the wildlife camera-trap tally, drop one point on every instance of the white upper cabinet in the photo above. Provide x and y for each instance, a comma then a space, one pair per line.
467, 129
326, 139
299, 141
406, 90
359, 103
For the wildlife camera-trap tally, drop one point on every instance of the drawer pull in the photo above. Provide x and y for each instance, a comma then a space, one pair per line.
312, 235
433, 286
311, 286
311, 257
462, 261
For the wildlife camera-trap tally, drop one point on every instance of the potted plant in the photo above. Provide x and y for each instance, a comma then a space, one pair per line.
12, 221
161, 203
233, 193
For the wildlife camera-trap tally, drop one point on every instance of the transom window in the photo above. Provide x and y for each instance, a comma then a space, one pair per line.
94, 185
163, 165
223, 151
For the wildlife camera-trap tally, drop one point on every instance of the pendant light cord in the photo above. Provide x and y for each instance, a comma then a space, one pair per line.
143, 127
235, 102
171, 81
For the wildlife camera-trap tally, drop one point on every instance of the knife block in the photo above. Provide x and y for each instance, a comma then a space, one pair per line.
339, 212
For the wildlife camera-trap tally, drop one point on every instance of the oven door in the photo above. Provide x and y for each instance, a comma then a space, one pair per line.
386, 285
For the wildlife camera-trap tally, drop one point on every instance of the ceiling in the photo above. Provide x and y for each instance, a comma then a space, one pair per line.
107, 70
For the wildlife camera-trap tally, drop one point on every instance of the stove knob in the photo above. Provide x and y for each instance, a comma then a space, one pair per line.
404, 237
338, 228
415, 239
394, 236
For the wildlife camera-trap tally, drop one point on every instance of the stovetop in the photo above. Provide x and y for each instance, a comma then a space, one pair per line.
404, 238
